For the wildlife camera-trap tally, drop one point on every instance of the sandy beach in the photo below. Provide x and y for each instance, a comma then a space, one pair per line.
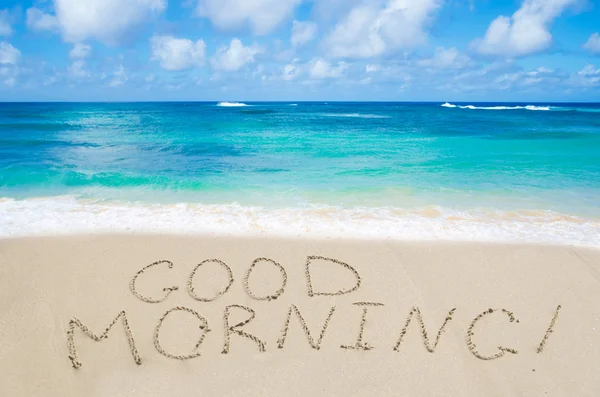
248, 316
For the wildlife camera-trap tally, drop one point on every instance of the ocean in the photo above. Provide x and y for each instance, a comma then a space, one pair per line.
454, 171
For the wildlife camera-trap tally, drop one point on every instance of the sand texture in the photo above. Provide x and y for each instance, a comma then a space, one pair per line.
204, 316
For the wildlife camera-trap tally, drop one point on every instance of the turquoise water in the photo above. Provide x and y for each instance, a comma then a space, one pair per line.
393, 156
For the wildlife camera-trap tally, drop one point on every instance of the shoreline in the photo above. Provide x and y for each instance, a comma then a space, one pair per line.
68, 216
289, 238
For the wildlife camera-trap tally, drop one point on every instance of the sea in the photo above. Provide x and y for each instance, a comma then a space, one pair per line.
508, 172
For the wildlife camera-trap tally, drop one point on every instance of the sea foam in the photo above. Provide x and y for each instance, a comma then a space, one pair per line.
356, 115
231, 104
67, 215
472, 107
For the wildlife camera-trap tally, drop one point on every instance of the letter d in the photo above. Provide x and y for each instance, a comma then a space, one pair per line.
312, 293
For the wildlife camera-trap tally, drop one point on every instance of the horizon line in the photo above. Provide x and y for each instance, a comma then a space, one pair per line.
303, 101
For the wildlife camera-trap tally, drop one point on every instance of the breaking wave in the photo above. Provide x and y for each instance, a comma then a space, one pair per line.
472, 107
355, 115
67, 215
231, 104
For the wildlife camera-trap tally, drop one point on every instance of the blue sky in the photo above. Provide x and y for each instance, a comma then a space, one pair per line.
389, 50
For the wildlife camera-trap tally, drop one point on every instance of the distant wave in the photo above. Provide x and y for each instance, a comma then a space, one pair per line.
293, 104
528, 107
355, 115
584, 110
231, 104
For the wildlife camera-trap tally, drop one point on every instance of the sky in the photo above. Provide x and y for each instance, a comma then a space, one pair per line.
300, 50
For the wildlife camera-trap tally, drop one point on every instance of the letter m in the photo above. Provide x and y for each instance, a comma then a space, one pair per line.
77, 323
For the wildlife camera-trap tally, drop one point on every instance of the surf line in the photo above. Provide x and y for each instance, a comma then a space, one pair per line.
236, 328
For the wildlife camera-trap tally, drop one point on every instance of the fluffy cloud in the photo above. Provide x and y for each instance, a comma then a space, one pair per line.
9, 55
372, 68
5, 28
507, 77
77, 70
177, 54
262, 16
109, 21
9, 59
119, 77
234, 57
589, 71
80, 51
446, 58
593, 43
586, 78
375, 28
38, 20
291, 71
303, 32
321, 69
9, 75
526, 32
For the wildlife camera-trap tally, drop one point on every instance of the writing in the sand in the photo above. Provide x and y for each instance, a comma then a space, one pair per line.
315, 339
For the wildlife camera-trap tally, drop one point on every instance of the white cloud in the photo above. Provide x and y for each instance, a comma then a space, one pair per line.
262, 16
539, 71
5, 26
119, 77
235, 57
589, 76
446, 58
177, 54
39, 20
372, 67
375, 28
507, 76
80, 51
9, 55
259, 72
291, 71
77, 70
321, 69
303, 32
50, 80
526, 32
9, 60
285, 55
589, 71
593, 43
109, 21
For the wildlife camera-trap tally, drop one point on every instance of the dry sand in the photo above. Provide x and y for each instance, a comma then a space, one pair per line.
47, 282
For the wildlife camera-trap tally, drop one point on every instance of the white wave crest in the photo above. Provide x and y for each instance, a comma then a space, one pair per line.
531, 107
472, 107
356, 115
231, 104
68, 215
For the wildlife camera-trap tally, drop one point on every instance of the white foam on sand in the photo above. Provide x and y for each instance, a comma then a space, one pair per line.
68, 215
